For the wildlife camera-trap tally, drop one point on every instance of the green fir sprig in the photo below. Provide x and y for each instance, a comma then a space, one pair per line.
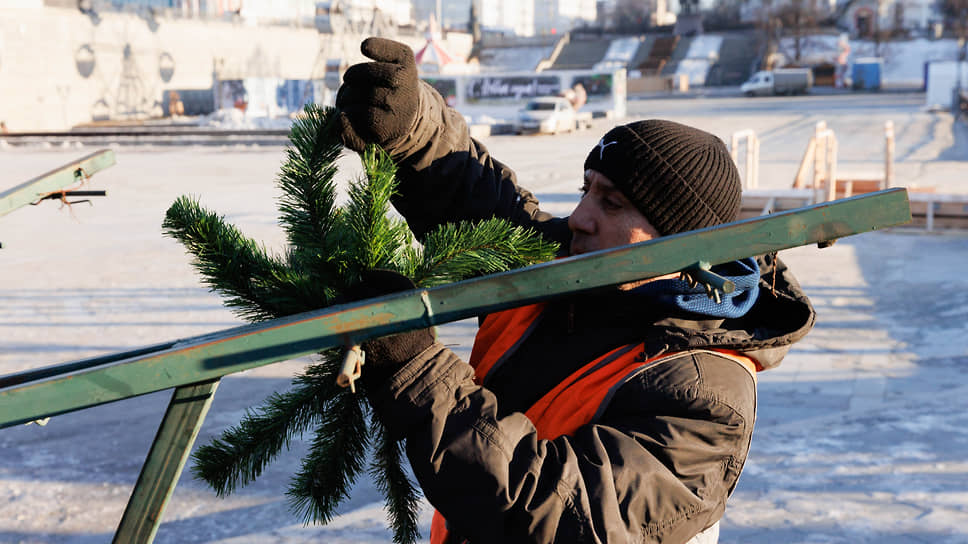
329, 249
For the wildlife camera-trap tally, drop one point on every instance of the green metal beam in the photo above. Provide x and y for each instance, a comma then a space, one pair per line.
58, 178
62, 369
234, 350
164, 463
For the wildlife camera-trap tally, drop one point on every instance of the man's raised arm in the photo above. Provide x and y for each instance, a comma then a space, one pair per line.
445, 175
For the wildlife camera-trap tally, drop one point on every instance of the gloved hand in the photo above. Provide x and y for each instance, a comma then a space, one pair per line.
387, 354
377, 101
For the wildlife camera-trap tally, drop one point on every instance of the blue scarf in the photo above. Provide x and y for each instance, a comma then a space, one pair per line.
676, 293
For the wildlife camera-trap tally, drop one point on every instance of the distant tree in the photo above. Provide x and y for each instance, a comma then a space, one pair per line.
955, 13
630, 14
474, 24
879, 33
474, 27
725, 13
688, 7
800, 19
769, 35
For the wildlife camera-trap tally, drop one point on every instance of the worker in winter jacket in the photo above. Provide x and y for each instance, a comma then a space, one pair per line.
623, 415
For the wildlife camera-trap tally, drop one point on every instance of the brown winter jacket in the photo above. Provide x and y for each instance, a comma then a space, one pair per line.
658, 463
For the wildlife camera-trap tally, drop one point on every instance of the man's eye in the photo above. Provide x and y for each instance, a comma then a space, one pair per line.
610, 204
583, 190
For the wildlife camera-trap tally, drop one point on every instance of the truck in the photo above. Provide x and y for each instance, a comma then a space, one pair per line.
780, 81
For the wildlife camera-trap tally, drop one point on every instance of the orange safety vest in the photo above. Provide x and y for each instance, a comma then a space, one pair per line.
573, 402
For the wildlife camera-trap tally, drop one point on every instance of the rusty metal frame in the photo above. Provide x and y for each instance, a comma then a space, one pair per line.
193, 366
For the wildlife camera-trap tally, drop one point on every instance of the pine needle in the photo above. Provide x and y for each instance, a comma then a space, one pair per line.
254, 283
334, 461
242, 452
308, 190
454, 252
376, 239
399, 492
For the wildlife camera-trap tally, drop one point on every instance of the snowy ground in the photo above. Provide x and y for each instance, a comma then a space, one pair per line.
862, 431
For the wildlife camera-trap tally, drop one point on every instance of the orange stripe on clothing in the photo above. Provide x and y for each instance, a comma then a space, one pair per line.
577, 399
499, 333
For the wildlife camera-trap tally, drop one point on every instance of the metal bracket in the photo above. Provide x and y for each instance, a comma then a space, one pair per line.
701, 274
62, 196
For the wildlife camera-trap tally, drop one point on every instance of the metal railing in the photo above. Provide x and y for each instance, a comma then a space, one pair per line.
194, 366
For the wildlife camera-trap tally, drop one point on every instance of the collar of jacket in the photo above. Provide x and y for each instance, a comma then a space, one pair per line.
781, 315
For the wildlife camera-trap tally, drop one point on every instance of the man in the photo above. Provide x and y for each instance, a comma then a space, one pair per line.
623, 415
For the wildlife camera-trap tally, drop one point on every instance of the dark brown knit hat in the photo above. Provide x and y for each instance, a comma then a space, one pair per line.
681, 178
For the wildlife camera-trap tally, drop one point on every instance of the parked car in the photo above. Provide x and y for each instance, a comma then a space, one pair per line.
780, 81
550, 115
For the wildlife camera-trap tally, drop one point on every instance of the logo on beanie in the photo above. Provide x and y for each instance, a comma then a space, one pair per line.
601, 148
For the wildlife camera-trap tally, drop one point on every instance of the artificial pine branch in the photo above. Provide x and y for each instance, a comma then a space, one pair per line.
401, 496
329, 250
376, 238
242, 452
454, 252
335, 459
255, 284
309, 192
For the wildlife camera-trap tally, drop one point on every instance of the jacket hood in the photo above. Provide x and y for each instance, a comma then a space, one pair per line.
680, 294
780, 316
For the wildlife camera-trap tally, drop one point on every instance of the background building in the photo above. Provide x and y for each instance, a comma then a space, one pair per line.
285, 12
507, 16
454, 14
511, 17
559, 16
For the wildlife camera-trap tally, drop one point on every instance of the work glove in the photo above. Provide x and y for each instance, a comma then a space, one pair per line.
387, 354
377, 101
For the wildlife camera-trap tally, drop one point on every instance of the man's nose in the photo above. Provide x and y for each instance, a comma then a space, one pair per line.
580, 220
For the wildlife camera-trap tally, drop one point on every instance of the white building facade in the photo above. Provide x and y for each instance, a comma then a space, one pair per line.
867, 16
507, 16
519, 17
559, 16
453, 14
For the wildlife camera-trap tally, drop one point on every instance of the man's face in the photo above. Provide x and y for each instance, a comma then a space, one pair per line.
605, 218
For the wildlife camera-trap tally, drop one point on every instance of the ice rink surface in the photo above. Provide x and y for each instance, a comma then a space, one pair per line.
862, 432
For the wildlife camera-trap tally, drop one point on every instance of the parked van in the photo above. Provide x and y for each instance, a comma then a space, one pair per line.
781, 81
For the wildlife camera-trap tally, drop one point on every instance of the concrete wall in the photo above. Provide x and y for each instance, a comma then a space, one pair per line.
60, 68
943, 81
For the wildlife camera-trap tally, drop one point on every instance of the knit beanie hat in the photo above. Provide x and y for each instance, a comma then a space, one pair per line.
680, 178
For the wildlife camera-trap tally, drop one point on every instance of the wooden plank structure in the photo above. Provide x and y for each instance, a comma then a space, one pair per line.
930, 210
193, 366
751, 155
936, 211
